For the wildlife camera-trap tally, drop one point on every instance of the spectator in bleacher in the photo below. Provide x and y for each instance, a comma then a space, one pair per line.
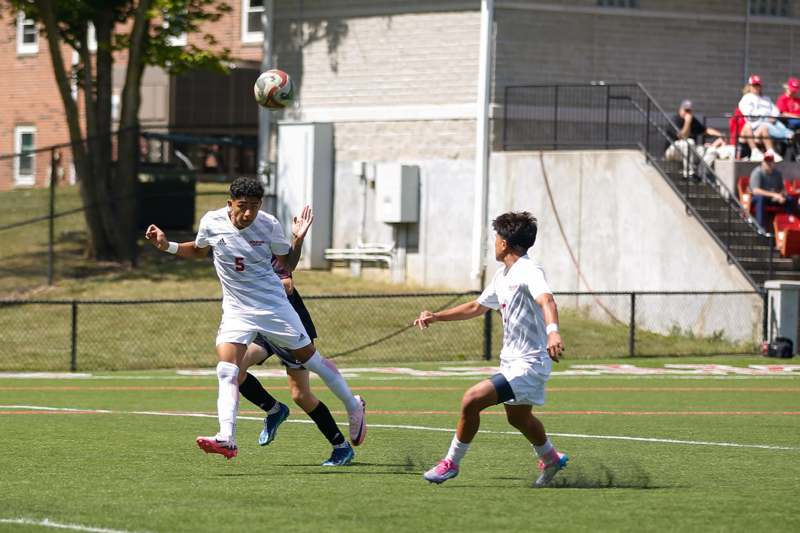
766, 185
761, 115
689, 138
789, 103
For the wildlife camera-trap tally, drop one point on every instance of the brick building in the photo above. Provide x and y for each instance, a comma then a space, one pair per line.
32, 115
398, 79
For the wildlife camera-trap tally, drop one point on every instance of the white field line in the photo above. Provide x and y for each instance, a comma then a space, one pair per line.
56, 525
421, 428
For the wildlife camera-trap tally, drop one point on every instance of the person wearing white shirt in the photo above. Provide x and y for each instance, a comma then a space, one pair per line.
762, 117
531, 341
244, 239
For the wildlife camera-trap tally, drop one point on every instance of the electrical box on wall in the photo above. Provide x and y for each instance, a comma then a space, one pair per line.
396, 193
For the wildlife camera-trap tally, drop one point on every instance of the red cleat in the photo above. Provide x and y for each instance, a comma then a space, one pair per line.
218, 445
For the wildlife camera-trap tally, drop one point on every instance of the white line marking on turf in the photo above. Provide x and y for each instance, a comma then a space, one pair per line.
420, 428
56, 525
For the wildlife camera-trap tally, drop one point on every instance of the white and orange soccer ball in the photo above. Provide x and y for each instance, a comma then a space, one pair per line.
274, 89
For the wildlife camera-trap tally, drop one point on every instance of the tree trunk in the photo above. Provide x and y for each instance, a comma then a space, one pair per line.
97, 95
96, 238
128, 149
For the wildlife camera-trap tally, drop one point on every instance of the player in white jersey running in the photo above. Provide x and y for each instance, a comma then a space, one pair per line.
243, 240
530, 340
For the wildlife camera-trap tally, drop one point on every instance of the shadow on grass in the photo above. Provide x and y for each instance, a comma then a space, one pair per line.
600, 476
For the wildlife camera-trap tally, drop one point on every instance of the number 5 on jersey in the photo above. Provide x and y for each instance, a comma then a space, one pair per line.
239, 264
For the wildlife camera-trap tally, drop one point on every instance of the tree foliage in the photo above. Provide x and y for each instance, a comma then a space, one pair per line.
142, 33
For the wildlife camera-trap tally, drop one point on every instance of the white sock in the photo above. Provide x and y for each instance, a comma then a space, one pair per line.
546, 452
457, 450
325, 369
227, 399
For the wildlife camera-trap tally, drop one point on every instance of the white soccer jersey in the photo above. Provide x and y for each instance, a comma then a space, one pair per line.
243, 258
513, 291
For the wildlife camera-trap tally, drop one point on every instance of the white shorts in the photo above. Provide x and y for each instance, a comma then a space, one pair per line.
281, 326
527, 379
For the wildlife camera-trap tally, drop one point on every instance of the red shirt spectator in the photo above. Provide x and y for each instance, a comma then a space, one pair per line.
789, 103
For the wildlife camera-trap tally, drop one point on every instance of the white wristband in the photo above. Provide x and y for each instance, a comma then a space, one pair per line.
172, 248
551, 328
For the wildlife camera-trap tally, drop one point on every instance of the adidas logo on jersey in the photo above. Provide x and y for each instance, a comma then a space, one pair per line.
221, 242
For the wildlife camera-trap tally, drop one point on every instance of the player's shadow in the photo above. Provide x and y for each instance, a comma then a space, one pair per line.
409, 467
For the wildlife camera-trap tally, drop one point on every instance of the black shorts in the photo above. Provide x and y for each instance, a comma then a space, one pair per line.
287, 359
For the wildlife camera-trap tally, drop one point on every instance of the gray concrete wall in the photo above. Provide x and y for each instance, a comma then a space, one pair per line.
624, 229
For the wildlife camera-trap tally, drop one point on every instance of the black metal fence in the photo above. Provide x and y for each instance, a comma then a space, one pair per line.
80, 335
559, 117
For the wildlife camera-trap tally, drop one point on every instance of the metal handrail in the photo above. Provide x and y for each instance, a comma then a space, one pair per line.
655, 121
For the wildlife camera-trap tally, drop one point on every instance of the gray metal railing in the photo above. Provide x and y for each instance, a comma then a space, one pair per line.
605, 116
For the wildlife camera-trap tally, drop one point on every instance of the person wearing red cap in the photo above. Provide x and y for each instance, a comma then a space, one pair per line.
761, 114
766, 184
789, 103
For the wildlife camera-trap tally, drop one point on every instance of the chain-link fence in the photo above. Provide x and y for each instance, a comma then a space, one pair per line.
44, 234
123, 335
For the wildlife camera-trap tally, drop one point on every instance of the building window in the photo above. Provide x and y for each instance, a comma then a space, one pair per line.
252, 30
25, 162
27, 35
618, 3
770, 8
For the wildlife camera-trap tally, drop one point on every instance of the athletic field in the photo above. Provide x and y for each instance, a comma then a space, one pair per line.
664, 444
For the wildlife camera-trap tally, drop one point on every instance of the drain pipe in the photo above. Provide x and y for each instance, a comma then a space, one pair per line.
481, 184
265, 176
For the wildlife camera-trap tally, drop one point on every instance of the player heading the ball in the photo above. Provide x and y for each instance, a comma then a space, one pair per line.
244, 239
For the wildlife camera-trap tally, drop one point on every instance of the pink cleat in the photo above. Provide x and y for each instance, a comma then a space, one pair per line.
358, 422
446, 469
219, 445
549, 471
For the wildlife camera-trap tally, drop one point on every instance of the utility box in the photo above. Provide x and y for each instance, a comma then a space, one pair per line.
783, 311
396, 193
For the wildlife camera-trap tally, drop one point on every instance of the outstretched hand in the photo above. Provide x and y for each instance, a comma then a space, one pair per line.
425, 319
301, 224
156, 236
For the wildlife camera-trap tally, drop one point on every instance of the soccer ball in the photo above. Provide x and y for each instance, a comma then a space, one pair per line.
274, 89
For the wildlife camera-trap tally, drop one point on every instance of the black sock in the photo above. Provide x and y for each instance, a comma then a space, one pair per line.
326, 424
252, 390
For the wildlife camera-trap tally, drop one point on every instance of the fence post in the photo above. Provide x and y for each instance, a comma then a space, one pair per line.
765, 315
608, 112
555, 121
73, 359
487, 335
54, 159
647, 127
632, 327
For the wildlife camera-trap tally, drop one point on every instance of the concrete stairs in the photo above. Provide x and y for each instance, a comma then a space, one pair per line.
753, 251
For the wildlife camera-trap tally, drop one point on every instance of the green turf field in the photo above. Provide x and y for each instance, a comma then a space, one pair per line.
693, 452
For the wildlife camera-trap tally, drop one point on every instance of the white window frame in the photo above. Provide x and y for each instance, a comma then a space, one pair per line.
250, 36
25, 180
22, 47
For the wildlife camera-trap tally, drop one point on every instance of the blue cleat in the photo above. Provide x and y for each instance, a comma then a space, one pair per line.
271, 423
341, 456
